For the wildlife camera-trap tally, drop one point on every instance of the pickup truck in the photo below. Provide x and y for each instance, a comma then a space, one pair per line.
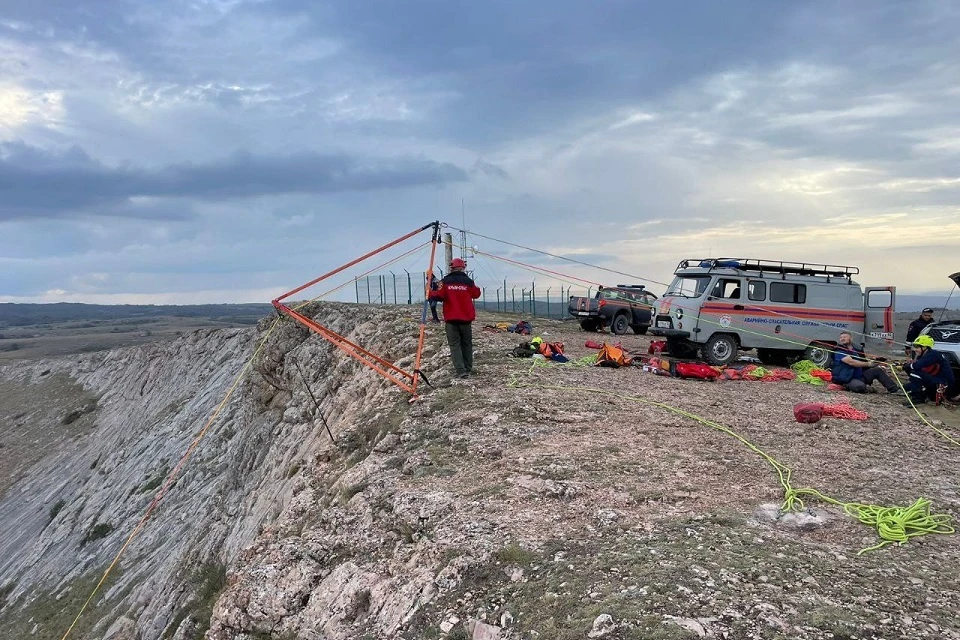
616, 308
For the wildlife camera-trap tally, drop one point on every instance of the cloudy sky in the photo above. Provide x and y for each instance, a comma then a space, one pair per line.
228, 150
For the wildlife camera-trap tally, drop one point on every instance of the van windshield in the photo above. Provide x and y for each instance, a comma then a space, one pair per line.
688, 286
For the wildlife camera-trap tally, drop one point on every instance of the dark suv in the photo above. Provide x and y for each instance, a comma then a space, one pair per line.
617, 308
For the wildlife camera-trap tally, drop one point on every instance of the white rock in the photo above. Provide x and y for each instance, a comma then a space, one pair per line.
602, 625
490, 419
484, 631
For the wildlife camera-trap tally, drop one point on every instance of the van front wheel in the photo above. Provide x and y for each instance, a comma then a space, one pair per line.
720, 350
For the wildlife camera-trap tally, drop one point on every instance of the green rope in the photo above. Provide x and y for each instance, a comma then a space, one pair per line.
803, 366
810, 379
893, 524
804, 370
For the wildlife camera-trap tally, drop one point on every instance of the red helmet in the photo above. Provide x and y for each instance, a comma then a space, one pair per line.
458, 263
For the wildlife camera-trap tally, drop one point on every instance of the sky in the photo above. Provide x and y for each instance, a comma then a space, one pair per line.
230, 150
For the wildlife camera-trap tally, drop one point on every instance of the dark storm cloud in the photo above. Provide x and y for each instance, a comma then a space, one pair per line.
33, 182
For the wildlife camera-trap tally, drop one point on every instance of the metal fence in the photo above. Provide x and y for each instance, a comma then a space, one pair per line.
526, 299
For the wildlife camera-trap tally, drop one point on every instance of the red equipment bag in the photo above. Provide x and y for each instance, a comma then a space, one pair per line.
695, 370
808, 412
657, 346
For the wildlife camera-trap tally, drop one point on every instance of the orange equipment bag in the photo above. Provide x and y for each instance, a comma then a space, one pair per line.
611, 356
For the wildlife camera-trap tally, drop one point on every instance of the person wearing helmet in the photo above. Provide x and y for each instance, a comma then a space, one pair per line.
854, 371
457, 291
928, 372
918, 325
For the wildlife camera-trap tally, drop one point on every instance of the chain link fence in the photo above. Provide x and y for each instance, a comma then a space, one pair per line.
525, 299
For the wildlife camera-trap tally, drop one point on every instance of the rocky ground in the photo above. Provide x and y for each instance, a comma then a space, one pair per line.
563, 501
529, 501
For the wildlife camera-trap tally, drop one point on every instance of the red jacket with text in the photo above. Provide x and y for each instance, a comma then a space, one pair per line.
457, 291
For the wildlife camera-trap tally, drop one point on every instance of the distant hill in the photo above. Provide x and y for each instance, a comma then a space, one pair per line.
20, 315
906, 302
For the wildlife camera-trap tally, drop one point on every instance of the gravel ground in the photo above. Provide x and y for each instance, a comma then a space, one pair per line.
615, 506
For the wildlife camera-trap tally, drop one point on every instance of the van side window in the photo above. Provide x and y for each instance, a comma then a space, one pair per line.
726, 289
786, 292
757, 290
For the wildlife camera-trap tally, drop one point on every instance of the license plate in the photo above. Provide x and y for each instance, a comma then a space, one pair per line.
663, 324
583, 313
881, 334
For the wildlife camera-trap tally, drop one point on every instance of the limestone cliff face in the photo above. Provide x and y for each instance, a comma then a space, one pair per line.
64, 518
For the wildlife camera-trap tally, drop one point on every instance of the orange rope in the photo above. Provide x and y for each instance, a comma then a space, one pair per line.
844, 411
171, 477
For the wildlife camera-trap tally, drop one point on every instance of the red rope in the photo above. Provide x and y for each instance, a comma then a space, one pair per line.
844, 411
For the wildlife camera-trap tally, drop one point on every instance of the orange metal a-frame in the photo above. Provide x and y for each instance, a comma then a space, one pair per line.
406, 380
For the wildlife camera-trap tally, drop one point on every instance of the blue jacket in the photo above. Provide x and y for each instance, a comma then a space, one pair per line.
934, 364
842, 373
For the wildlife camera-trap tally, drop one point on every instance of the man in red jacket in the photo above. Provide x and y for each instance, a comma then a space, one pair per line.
458, 291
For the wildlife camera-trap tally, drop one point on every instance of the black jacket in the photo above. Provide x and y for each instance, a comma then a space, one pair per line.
915, 328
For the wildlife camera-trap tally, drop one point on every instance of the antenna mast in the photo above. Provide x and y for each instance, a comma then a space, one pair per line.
463, 230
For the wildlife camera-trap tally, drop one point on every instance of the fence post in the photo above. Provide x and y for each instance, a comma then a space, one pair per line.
504, 295
394, 287
513, 299
548, 302
533, 299
368, 289
409, 288
498, 298
356, 284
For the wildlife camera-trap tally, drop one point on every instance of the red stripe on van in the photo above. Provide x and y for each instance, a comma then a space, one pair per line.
790, 312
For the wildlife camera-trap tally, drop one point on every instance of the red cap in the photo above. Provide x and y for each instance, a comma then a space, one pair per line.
457, 263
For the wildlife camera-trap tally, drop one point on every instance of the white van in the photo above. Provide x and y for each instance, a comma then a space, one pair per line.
719, 306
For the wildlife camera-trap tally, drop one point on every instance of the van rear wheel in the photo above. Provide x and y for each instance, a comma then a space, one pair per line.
820, 354
720, 350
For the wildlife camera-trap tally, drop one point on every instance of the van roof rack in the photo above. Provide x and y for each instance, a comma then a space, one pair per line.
770, 266
631, 286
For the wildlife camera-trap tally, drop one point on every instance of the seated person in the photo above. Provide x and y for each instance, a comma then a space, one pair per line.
853, 371
928, 372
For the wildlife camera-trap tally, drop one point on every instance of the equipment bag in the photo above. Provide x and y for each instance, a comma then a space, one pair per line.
611, 356
696, 370
808, 412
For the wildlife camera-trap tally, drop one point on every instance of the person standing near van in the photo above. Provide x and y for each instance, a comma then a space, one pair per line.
852, 369
918, 325
457, 291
